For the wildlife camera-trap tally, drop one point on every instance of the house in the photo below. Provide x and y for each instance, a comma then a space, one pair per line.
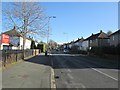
28, 43
70, 44
115, 38
85, 45
96, 40
79, 43
16, 39
36, 43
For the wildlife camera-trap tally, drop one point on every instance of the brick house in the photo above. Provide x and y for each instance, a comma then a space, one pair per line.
97, 40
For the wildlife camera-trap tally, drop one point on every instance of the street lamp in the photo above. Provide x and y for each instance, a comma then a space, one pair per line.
49, 30
66, 34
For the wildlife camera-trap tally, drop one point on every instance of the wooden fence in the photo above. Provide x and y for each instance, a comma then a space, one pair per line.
10, 56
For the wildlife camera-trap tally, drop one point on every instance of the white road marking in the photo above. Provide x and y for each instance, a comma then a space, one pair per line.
68, 86
83, 86
73, 83
70, 76
104, 74
69, 70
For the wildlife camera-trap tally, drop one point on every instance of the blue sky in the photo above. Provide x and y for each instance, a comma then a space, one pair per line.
80, 19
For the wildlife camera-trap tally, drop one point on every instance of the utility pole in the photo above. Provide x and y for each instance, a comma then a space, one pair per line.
48, 33
66, 34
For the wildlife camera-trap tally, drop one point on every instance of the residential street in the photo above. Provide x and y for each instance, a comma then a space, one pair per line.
80, 72
71, 71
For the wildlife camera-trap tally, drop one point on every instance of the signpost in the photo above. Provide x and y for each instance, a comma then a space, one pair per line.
5, 39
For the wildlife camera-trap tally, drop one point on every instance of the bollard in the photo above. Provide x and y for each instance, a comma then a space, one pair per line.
45, 53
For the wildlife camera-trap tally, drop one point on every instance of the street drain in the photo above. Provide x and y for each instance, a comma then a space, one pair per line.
61, 72
57, 77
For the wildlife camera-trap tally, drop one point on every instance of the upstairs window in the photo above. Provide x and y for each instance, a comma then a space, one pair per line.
113, 38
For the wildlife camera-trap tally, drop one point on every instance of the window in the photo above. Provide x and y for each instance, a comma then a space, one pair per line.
108, 40
96, 40
90, 41
113, 38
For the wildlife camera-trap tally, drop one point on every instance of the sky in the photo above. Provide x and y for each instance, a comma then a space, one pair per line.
80, 19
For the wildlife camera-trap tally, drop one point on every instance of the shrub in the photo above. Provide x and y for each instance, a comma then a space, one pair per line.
105, 50
74, 49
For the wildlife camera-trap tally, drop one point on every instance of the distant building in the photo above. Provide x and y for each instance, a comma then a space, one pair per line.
70, 44
96, 40
99, 39
78, 43
85, 44
115, 38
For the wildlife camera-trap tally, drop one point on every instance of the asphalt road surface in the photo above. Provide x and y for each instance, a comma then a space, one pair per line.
72, 71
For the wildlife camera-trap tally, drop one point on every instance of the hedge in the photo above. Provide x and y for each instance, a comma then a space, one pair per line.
106, 50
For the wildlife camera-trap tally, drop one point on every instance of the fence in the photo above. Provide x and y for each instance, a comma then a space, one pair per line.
10, 56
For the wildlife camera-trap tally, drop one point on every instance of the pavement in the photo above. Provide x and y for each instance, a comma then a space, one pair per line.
32, 73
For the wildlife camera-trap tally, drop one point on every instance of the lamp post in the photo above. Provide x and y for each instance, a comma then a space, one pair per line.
66, 34
49, 30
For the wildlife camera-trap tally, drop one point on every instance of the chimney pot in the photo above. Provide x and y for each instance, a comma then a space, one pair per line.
100, 31
14, 27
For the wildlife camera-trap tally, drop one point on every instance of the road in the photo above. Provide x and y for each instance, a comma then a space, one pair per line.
73, 71
61, 71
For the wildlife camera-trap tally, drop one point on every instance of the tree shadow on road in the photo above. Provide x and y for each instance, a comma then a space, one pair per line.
74, 62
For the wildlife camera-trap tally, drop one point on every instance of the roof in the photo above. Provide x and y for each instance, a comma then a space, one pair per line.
13, 32
79, 40
118, 31
98, 35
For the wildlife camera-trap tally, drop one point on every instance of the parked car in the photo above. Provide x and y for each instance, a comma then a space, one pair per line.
65, 51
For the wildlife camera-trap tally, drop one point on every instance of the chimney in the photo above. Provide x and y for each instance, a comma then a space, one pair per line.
14, 28
92, 34
100, 31
81, 37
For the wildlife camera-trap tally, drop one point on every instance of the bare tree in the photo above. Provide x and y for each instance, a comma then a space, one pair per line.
52, 44
27, 17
